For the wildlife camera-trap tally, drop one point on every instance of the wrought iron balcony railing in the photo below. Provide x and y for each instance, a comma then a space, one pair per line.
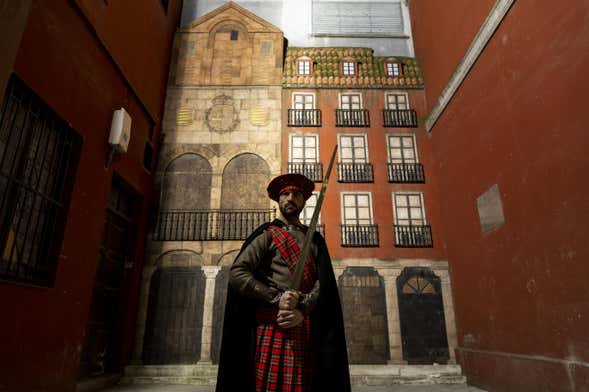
406, 172
352, 118
362, 236
304, 117
413, 236
209, 225
312, 170
354, 172
406, 118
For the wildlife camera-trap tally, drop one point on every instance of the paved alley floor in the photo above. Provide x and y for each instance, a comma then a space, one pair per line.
395, 388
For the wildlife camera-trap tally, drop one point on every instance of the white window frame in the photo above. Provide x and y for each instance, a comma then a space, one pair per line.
306, 65
340, 95
306, 220
340, 146
351, 65
386, 100
392, 70
388, 139
408, 193
343, 206
303, 135
294, 94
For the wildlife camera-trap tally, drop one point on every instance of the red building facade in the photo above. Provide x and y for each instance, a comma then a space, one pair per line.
514, 128
73, 228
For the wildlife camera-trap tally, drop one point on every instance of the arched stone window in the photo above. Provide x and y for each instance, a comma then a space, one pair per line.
245, 179
187, 184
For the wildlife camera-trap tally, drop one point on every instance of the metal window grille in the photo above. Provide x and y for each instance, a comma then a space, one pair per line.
38, 157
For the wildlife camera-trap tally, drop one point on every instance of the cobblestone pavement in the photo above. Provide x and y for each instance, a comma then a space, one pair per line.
396, 388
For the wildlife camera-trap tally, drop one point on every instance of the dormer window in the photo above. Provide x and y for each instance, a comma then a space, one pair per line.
393, 69
349, 68
304, 66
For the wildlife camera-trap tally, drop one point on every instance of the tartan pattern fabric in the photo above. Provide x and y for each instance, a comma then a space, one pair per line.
284, 358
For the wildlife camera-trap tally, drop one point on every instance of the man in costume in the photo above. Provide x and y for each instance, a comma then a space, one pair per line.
275, 338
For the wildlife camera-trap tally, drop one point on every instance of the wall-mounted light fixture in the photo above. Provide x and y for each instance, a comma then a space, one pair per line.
120, 134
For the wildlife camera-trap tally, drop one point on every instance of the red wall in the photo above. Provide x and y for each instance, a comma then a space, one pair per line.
60, 58
519, 121
382, 206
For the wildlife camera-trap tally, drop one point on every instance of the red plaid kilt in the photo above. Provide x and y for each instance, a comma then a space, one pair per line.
284, 357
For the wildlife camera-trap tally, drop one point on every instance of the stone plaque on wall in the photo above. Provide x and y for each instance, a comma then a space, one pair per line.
490, 209
222, 116
364, 305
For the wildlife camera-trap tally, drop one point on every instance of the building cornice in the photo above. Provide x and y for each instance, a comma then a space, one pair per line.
494, 19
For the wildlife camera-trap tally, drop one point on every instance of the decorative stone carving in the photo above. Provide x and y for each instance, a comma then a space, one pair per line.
222, 116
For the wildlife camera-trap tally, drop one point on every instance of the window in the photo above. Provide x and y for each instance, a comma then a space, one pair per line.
304, 67
397, 101
307, 212
353, 149
357, 209
393, 69
349, 68
303, 148
350, 101
234, 35
38, 158
402, 149
303, 101
357, 229
409, 209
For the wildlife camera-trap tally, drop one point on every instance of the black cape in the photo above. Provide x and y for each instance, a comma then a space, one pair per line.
236, 362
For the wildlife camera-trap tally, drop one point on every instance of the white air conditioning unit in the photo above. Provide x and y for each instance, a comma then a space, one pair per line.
120, 130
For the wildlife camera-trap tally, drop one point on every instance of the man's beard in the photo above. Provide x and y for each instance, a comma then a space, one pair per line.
292, 213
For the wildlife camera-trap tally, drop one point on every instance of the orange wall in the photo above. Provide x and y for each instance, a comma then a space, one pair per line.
519, 121
60, 58
373, 99
443, 30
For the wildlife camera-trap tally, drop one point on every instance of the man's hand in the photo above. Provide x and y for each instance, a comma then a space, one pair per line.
288, 300
289, 318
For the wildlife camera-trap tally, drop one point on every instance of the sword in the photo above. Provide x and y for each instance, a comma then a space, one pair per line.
298, 274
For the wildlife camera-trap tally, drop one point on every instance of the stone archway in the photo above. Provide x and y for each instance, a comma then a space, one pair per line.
363, 297
174, 316
421, 314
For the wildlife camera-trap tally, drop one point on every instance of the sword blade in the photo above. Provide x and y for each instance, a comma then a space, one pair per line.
298, 274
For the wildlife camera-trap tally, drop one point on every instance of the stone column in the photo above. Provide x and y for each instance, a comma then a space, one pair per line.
211, 272
394, 326
448, 313
137, 355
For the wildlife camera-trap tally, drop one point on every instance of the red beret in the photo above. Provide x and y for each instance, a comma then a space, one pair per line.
290, 181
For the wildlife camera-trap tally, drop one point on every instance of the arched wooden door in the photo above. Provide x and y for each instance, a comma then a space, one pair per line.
421, 313
174, 316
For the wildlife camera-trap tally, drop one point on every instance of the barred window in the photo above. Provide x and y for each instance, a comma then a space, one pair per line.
39, 154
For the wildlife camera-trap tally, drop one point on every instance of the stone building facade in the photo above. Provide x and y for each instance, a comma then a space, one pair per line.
221, 147
232, 122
